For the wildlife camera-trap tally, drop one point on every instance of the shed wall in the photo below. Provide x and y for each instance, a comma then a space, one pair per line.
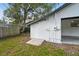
38, 30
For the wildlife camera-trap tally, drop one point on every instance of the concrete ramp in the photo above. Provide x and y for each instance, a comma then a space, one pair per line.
36, 42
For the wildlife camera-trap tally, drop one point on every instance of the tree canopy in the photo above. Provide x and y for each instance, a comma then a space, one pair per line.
19, 11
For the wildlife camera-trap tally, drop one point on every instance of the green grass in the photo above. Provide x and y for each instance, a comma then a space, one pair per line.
16, 46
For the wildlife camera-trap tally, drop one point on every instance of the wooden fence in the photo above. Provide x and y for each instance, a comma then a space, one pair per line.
9, 30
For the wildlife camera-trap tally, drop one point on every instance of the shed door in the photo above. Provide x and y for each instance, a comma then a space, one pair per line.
54, 35
51, 35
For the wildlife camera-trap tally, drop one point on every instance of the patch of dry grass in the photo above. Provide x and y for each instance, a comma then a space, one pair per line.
16, 46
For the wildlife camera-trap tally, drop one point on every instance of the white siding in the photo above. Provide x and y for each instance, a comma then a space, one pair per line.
43, 29
69, 11
39, 29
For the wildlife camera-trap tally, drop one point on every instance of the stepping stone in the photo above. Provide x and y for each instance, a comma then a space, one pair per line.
36, 42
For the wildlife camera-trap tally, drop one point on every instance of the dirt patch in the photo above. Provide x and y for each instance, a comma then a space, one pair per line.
69, 49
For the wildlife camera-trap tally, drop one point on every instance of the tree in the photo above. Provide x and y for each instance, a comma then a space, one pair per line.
20, 11
13, 12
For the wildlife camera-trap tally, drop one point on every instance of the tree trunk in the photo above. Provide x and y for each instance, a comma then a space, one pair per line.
24, 23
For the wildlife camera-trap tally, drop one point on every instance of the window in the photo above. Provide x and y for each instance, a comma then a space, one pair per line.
75, 23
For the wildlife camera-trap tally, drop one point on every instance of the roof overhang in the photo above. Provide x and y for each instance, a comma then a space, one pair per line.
70, 18
49, 14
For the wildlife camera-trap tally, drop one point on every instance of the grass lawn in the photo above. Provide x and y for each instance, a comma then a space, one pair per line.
16, 46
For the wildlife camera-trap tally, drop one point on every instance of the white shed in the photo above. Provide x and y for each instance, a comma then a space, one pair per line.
53, 26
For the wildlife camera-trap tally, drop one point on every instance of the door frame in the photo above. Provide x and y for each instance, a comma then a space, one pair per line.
67, 18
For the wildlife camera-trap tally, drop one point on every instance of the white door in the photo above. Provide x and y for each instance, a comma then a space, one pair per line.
51, 34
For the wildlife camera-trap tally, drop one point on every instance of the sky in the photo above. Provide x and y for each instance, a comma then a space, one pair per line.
3, 6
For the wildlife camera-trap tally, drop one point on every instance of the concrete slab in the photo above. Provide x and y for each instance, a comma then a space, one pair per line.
70, 40
36, 42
